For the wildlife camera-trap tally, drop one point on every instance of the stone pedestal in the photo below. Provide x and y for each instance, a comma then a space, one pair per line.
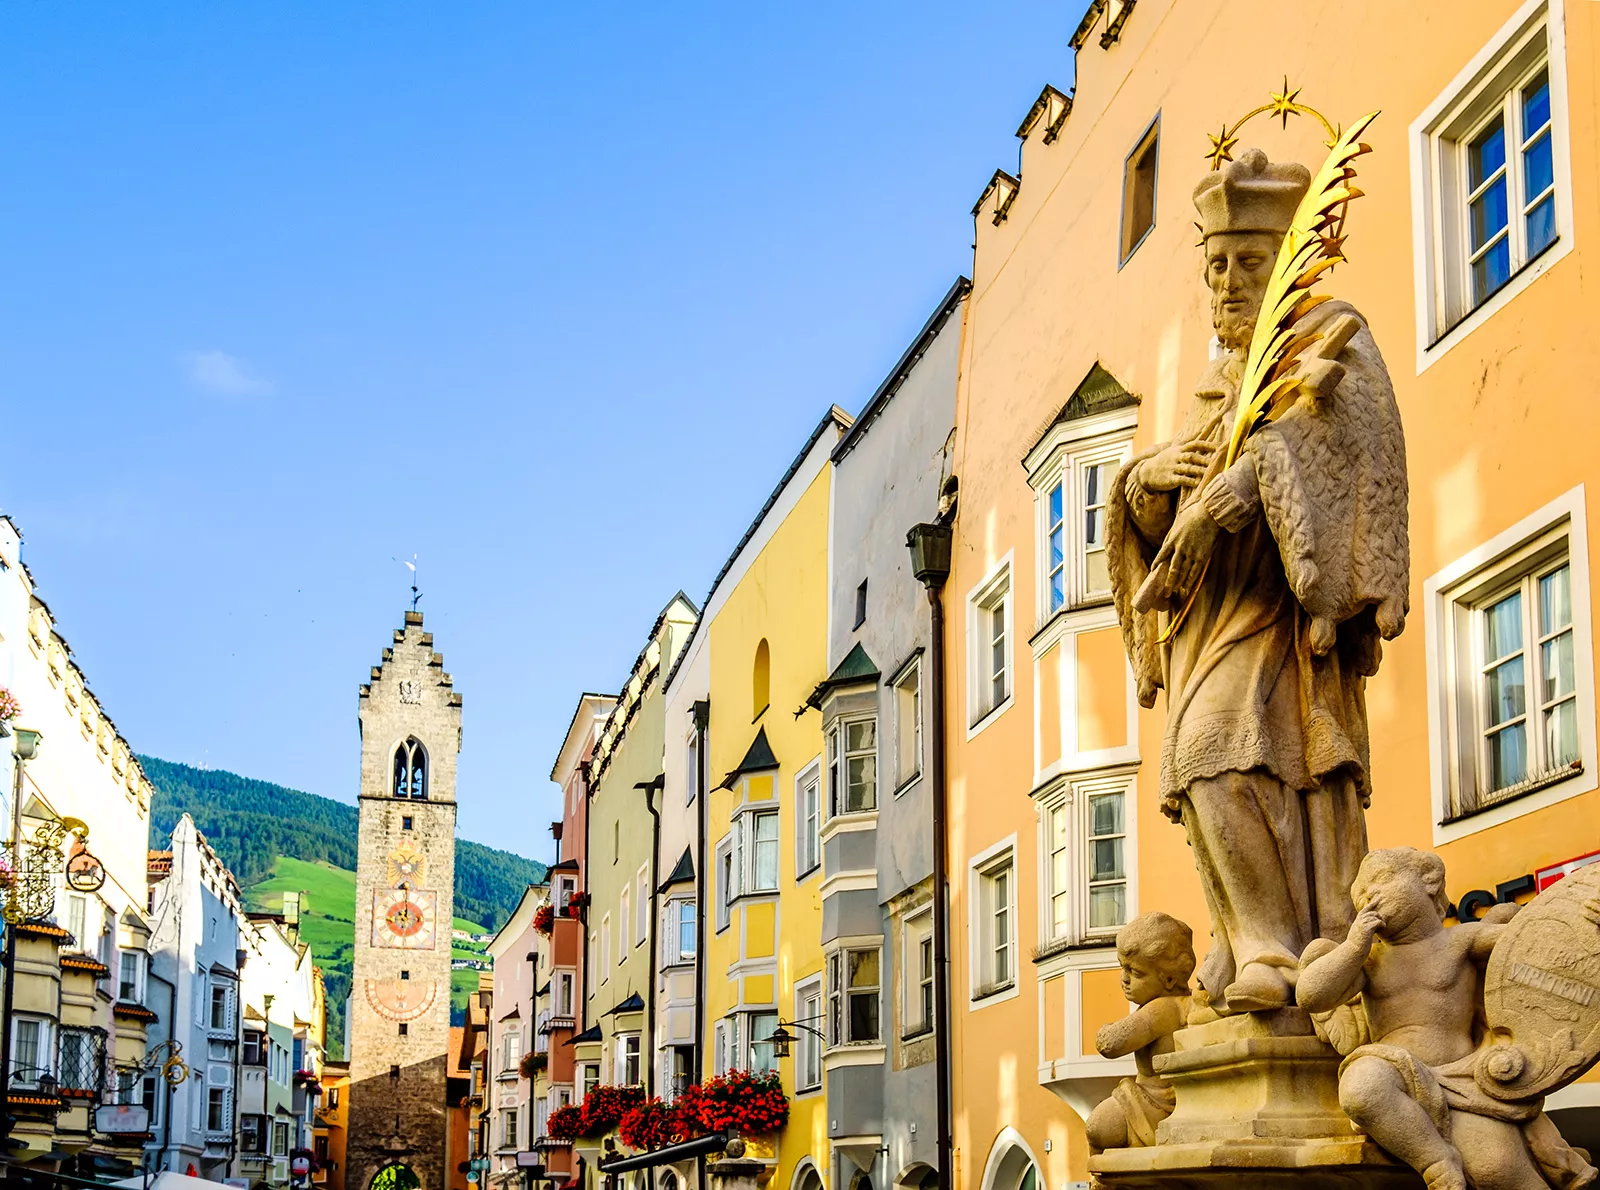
1257, 1107
738, 1174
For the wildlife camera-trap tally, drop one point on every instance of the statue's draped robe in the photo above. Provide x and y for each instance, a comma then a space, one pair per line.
1265, 758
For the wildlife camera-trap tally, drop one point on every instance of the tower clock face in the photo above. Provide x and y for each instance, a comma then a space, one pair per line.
404, 918
401, 999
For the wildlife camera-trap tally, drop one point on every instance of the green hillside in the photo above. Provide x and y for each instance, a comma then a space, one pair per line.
278, 840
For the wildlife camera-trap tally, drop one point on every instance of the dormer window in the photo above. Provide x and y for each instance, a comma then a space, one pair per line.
411, 769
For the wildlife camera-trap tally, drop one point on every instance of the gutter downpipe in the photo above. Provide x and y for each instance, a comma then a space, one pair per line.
930, 551
648, 788
702, 720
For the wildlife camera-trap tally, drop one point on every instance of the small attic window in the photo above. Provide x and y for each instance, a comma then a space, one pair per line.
1139, 191
861, 604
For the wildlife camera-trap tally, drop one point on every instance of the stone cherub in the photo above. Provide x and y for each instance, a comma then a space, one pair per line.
1412, 1035
1156, 953
1292, 563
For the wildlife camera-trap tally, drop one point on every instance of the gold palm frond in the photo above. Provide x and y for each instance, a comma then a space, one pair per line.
1313, 244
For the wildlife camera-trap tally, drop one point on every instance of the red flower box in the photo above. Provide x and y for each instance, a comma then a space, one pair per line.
655, 1124
749, 1102
544, 918
605, 1105
565, 1123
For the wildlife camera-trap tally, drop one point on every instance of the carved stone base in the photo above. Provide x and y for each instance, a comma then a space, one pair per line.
1257, 1107
1347, 1163
1257, 1076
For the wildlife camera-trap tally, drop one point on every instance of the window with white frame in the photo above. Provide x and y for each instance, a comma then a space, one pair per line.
280, 1139
853, 765
628, 1060
508, 1128
759, 1028
563, 990
510, 1048
808, 1048
1085, 853
624, 920
130, 977
220, 1016
566, 886
725, 1044
727, 882
591, 1078
989, 617
641, 905
1070, 491
916, 974
854, 990
995, 930
808, 821
679, 938
691, 767
1517, 716
592, 958
77, 916
907, 694
1497, 193
763, 876
605, 948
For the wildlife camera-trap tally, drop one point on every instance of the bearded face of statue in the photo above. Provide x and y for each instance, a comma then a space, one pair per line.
1238, 266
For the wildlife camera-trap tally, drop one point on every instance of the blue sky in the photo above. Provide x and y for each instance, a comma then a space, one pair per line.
547, 295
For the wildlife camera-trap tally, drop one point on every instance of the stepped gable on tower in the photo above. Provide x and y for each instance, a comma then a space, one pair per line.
399, 1014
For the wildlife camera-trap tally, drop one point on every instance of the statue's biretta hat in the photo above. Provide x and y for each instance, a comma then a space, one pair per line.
1251, 194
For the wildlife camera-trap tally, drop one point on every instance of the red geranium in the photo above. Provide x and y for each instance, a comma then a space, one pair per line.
544, 918
576, 904
605, 1105
748, 1102
655, 1124
565, 1123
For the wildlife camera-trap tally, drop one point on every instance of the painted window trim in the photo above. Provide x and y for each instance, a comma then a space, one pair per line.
1432, 256
1443, 588
979, 867
1073, 790
996, 584
1107, 438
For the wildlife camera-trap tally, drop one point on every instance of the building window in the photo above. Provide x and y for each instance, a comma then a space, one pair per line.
605, 948
1518, 704
218, 1117
1070, 485
250, 1134
808, 1049
591, 1077
995, 931
764, 851
411, 769
853, 991
405, 822
220, 1016
130, 977
861, 604
508, 1128
759, 1028
280, 1139
808, 821
680, 936
989, 637
564, 993
916, 973
691, 768
76, 918
79, 1071
1085, 855
624, 920
641, 901
761, 680
908, 725
724, 1042
853, 766
1139, 191
727, 882
1493, 156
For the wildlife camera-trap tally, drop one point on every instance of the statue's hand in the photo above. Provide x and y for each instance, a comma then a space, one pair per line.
1181, 464
1187, 549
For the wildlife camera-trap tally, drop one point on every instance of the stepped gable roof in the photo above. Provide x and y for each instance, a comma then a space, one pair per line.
682, 872
757, 757
856, 667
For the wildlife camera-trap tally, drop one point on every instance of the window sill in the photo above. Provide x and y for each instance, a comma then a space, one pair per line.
918, 1033
1513, 279
808, 872
907, 784
990, 991
1060, 946
979, 724
1515, 793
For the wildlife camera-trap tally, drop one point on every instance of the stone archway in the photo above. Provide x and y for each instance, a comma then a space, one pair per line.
395, 1177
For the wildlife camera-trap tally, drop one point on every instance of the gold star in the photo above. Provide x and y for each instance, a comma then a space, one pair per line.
1222, 145
1283, 102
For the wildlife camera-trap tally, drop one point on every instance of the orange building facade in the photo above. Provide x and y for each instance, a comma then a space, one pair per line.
1087, 327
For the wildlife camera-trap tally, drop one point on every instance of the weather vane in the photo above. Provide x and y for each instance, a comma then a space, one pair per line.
416, 595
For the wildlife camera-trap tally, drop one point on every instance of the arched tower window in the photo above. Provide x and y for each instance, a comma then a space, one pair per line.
411, 769
761, 679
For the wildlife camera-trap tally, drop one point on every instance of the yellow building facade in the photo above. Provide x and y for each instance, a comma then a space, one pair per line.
1088, 325
766, 625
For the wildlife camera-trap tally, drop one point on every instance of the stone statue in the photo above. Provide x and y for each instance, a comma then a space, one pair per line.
1414, 1041
1297, 561
1157, 957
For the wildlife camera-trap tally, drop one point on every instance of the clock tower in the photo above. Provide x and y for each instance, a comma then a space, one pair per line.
399, 1012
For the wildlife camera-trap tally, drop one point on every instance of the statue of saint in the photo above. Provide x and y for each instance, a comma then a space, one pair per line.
1291, 563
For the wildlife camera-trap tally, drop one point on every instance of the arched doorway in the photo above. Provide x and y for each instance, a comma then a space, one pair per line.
806, 1176
395, 1177
1011, 1165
